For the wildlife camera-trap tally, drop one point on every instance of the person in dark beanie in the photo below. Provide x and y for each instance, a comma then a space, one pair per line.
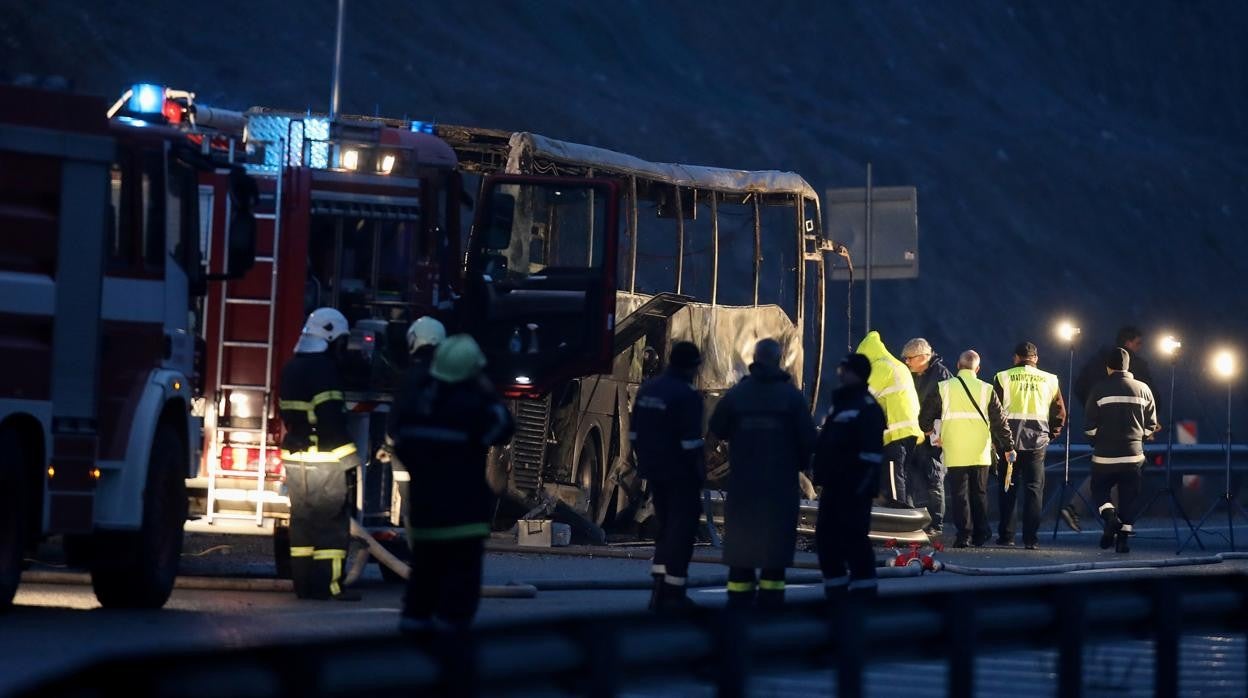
667, 439
846, 464
770, 434
1119, 415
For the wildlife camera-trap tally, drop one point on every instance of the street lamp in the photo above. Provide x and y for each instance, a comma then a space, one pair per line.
1169, 347
1067, 332
1225, 366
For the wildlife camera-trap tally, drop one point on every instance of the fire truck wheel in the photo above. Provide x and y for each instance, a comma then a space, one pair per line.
137, 569
12, 516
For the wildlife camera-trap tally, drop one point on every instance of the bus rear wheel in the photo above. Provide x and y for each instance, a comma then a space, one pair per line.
137, 569
12, 515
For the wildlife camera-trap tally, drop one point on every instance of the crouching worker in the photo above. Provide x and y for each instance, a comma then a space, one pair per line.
443, 430
767, 424
847, 463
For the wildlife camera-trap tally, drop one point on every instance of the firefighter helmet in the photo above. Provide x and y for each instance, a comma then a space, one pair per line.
426, 331
457, 359
323, 326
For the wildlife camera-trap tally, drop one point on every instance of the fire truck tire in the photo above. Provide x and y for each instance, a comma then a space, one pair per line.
13, 468
137, 569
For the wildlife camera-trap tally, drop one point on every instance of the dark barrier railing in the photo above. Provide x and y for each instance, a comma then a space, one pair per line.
597, 656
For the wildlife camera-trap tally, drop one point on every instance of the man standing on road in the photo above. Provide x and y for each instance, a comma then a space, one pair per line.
1119, 415
847, 458
926, 470
444, 428
318, 456
1033, 405
892, 385
766, 422
423, 337
667, 440
971, 425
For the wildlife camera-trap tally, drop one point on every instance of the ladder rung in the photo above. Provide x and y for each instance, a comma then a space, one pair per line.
218, 472
265, 216
264, 259
238, 386
244, 430
233, 344
247, 301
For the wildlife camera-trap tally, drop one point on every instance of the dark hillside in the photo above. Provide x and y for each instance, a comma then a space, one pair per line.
1085, 158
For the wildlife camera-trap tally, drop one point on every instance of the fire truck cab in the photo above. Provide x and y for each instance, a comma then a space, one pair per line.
100, 281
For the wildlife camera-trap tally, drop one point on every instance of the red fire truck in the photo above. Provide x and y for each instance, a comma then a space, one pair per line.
100, 284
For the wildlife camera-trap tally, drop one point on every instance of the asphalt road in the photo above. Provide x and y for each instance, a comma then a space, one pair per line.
56, 627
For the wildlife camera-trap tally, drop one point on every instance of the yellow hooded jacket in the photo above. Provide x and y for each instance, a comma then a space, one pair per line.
893, 387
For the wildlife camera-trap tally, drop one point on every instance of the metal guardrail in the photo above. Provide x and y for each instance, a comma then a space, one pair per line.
598, 656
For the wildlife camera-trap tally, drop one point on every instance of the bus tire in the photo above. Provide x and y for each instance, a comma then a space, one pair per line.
13, 468
589, 476
137, 569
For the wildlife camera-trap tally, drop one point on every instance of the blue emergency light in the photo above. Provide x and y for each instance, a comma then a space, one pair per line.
422, 127
146, 99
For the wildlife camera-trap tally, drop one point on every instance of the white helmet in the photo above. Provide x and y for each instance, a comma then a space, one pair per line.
323, 326
426, 331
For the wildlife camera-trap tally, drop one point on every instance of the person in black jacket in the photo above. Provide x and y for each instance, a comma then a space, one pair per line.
925, 471
1119, 415
846, 464
423, 337
318, 455
766, 422
667, 441
443, 430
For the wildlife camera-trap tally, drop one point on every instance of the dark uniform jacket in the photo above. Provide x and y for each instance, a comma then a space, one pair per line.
1119, 415
767, 423
927, 382
1094, 371
847, 453
314, 413
667, 429
442, 433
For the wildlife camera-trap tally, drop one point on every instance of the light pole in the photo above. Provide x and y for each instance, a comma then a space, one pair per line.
1067, 332
1169, 347
1224, 367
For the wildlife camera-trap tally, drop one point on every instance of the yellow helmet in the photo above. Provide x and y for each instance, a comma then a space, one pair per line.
457, 359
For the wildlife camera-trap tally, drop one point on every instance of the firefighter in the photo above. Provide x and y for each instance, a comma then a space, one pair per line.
667, 440
971, 425
766, 422
1119, 415
847, 458
319, 456
892, 385
1032, 400
444, 430
423, 337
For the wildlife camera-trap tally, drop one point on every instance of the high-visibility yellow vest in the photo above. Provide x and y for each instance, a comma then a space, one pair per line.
964, 435
893, 387
1027, 394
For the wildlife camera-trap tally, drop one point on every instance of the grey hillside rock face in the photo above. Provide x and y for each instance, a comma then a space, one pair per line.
1071, 158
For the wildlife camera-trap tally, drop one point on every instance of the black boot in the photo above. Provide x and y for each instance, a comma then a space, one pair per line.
771, 599
1111, 527
673, 598
656, 592
740, 600
1071, 517
1121, 542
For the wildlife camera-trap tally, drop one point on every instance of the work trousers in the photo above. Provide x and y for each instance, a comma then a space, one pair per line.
677, 507
969, 485
320, 526
841, 536
742, 587
925, 482
893, 471
445, 581
1028, 483
1126, 477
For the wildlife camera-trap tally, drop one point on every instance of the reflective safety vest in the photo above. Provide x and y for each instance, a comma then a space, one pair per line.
964, 435
897, 397
1027, 394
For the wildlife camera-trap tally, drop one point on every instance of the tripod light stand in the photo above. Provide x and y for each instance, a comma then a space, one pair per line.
1223, 367
1169, 347
1067, 332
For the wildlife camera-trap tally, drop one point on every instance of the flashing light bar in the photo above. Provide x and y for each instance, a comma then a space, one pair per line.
422, 127
146, 98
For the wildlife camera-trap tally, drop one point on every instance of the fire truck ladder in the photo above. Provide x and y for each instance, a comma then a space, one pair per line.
224, 434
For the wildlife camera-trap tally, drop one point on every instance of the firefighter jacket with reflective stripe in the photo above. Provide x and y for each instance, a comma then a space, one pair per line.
314, 412
1033, 405
965, 436
847, 452
1119, 415
893, 387
442, 434
666, 429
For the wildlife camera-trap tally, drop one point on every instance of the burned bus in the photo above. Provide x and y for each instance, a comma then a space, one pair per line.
718, 257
